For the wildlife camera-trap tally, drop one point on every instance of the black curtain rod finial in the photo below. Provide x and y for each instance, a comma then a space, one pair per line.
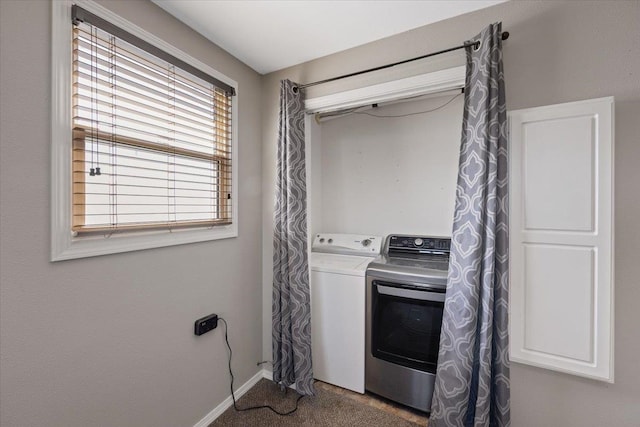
505, 35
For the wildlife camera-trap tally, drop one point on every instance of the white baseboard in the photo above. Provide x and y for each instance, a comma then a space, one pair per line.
228, 402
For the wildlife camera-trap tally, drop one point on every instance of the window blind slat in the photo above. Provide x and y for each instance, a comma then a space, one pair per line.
80, 16
133, 131
143, 138
205, 167
137, 104
136, 71
121, 56
156, 124
104, 78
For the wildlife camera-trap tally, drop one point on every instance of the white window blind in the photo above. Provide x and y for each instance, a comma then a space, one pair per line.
151, 141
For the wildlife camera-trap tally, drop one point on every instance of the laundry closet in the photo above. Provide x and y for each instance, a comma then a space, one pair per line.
384, 168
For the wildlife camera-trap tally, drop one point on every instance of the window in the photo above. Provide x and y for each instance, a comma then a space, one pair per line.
151, 142
150, 151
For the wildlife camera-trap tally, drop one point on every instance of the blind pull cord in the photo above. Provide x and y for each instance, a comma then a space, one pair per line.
95, 145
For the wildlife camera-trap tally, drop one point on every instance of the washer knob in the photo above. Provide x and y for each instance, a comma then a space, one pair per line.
366, 242
418, 242
330, 241
322, 240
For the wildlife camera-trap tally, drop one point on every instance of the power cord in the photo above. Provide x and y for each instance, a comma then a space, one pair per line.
393, 116
342, 113
233, 396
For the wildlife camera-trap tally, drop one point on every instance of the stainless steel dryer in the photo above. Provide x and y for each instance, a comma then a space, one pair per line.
405, 301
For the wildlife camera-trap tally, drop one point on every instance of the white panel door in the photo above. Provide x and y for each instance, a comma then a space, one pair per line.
561, 237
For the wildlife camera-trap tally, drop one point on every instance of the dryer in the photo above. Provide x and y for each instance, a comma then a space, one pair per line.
338, 263
406, 290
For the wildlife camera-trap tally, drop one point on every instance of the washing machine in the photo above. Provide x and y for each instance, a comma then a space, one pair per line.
338, 263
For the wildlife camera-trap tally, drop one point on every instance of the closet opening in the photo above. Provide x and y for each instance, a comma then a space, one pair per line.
383, 159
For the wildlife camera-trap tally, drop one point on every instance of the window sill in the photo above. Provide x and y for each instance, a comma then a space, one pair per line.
66, 246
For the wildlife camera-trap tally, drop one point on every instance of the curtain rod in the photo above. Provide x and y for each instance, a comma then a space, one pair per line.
504, 36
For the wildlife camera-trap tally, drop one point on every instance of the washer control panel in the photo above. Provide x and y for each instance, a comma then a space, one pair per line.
347, 244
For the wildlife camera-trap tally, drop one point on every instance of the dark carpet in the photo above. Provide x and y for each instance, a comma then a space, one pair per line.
324, 409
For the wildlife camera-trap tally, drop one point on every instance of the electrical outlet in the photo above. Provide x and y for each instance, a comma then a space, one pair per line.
206, 324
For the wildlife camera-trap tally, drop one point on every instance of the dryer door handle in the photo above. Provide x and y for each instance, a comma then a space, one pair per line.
411, 293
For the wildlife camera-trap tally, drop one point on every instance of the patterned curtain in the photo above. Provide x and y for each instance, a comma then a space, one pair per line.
472, 380
291, 312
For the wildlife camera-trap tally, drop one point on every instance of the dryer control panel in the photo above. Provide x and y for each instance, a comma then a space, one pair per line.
401, 244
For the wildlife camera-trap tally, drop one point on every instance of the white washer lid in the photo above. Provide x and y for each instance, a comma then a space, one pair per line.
339, 264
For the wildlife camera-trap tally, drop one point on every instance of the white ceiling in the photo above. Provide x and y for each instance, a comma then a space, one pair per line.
270, 35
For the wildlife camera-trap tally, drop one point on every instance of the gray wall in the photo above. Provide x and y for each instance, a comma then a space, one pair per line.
372, 169
558, 52
108, 341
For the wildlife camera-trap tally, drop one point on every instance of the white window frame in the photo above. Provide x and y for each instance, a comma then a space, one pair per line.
64, 244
